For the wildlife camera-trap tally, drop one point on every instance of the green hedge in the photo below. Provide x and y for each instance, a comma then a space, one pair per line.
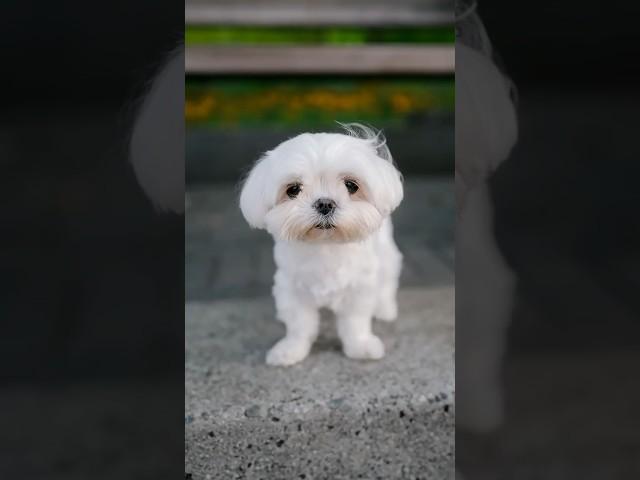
225, 35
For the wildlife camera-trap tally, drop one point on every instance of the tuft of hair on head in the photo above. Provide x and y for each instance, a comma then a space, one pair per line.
370, 135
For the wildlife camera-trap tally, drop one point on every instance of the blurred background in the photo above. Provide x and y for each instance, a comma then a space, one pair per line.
77, 229
566, 221
91, 274
258, 73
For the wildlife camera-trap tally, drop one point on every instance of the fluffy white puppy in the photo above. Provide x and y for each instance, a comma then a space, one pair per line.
326, 200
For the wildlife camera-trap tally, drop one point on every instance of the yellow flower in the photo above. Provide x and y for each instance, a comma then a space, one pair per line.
200, 108
401, 102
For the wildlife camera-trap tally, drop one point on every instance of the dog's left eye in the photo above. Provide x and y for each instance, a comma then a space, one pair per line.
294, 190
352, 187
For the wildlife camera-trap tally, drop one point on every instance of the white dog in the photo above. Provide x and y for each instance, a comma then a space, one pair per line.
326, 200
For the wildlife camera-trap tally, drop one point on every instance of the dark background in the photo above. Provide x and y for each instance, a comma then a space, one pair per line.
584, 43
84, 255
567, 197
91, 282
81, 52
566, 220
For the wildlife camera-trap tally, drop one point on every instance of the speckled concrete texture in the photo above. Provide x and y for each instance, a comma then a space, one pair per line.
329, 417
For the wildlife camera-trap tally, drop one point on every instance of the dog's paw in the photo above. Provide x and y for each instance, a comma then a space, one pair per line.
387, 311
368, 348
288, 351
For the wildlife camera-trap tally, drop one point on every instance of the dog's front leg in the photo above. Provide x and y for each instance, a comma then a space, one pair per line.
302, 321
354, 328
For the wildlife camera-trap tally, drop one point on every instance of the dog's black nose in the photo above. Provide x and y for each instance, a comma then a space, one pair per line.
325, 206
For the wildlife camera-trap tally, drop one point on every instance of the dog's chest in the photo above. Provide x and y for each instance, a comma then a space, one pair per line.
328, 272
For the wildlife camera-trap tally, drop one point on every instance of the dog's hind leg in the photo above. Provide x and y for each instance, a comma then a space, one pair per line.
390, 260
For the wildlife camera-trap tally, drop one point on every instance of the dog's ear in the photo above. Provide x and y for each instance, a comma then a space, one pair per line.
253, 197
388, 191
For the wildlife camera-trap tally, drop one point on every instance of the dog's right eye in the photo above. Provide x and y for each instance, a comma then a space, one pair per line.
294, 190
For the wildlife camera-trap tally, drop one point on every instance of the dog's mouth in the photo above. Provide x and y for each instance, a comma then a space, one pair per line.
325, 226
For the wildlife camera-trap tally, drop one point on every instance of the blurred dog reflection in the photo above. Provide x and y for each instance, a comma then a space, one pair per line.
157, 140
486, 130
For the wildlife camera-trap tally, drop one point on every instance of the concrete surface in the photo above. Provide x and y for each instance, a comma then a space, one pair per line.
329, 417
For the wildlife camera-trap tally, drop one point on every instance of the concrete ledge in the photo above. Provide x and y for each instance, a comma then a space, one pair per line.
329, 417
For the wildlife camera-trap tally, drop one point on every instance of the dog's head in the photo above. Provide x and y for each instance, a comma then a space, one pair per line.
323, 187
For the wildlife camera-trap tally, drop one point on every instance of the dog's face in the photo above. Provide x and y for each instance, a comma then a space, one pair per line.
322, 187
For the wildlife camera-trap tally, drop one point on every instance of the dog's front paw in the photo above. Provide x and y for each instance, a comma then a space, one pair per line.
367, 348
288, 351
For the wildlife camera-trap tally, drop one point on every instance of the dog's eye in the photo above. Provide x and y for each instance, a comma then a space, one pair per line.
294, 190
352, 187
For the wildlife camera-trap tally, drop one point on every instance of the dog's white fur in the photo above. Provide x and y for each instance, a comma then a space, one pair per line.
351, 268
